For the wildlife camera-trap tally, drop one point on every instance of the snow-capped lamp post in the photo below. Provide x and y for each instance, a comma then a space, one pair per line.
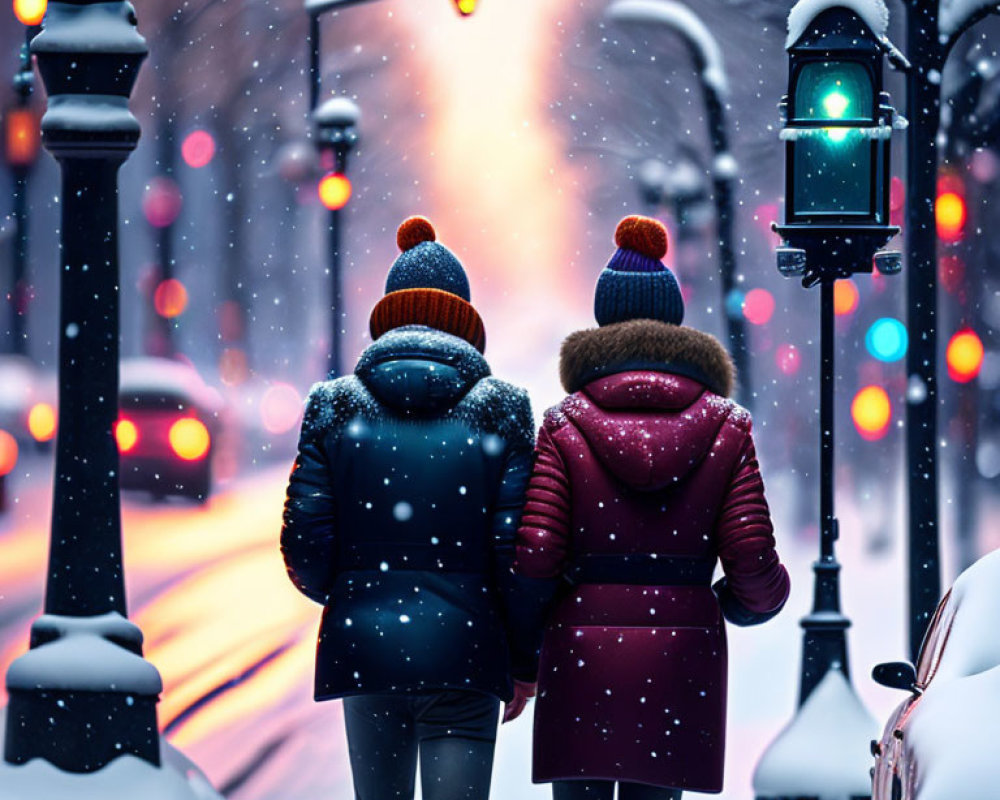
83, 695
336, 124
838, 125
707, 57
22, 137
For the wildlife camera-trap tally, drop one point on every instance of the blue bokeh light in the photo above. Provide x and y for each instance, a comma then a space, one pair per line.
887, 339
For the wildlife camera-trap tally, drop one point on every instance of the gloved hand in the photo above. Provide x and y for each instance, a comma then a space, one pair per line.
734, 611
522, 693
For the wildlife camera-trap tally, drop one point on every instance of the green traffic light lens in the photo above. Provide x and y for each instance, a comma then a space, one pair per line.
834, 90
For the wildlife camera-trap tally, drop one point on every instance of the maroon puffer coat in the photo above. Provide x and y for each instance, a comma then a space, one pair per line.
643, 479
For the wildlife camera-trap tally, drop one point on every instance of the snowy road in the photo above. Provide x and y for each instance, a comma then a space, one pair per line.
234, 642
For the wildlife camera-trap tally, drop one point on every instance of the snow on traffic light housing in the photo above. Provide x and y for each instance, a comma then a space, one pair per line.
838, 126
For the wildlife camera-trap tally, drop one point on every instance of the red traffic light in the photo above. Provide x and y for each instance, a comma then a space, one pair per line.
334, 191
22, 137
964, 356
949, 208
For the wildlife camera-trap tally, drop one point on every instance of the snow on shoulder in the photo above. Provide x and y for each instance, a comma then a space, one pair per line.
874, 13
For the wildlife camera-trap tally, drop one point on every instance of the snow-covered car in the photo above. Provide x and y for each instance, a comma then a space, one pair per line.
940, 743
27, 400
167, 424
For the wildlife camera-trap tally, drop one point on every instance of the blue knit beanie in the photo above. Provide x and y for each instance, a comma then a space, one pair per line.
425, 264
635, 284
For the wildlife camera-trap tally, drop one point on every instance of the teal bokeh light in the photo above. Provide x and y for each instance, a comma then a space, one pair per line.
887, 339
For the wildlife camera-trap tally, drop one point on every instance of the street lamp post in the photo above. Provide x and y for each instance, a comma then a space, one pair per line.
83, 695
21, 144
838, 124
707, 57
336, 124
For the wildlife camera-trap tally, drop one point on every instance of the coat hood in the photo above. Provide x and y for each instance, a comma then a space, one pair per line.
648, 410
645, 344
420, 370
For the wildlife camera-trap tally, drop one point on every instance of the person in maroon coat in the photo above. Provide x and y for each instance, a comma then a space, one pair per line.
645, 477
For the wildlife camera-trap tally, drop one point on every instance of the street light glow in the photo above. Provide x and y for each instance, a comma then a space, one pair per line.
334, 191
42, 422
835, 104
30, 12
964, 356
871, 412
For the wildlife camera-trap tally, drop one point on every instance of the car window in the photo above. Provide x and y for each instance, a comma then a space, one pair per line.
934, 641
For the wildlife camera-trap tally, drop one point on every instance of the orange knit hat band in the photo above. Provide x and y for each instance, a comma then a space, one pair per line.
432, 307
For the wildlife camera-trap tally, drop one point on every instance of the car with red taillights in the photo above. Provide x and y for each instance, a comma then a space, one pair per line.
168, 420
940, 742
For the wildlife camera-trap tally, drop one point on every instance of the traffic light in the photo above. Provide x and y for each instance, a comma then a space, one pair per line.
949, 208
334, 190
964, 356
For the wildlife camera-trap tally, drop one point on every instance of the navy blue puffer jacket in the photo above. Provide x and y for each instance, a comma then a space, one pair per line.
400, 519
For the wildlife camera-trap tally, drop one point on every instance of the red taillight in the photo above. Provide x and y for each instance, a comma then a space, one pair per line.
189, 439
126, 434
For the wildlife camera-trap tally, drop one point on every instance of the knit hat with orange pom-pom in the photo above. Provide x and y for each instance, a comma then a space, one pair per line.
427, 286
635, 284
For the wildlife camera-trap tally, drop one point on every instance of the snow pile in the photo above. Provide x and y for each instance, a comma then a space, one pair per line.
824, 752
687, 24
126, 777
873, 12
82, 656
955, 13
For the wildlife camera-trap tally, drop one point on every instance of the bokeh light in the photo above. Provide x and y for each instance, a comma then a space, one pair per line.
949, 212
845, 297
30, 12
42, 422
162, 202
189, 439
466, 7
788, 358
871, 412
170, 298
126, 434
198, 148
887, 339
334, 191
233, 366
8, 453
964, 356
280, 408
758, 306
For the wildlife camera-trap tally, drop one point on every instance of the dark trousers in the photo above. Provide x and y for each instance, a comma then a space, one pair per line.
453, 732
605, 790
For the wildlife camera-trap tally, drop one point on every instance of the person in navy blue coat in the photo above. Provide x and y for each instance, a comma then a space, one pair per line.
400, 519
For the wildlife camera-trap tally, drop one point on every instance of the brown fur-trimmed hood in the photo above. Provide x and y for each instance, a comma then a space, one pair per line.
645, 344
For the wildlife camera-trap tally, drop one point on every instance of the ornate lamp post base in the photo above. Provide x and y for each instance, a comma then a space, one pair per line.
82, 695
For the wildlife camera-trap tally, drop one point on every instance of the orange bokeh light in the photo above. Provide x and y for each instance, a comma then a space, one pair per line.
189, 439
964, 356
871, 412
30, 12
22, 136
42, 422
845, 297
170, 298
8, 453
949, 212
334, 191
126, 434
